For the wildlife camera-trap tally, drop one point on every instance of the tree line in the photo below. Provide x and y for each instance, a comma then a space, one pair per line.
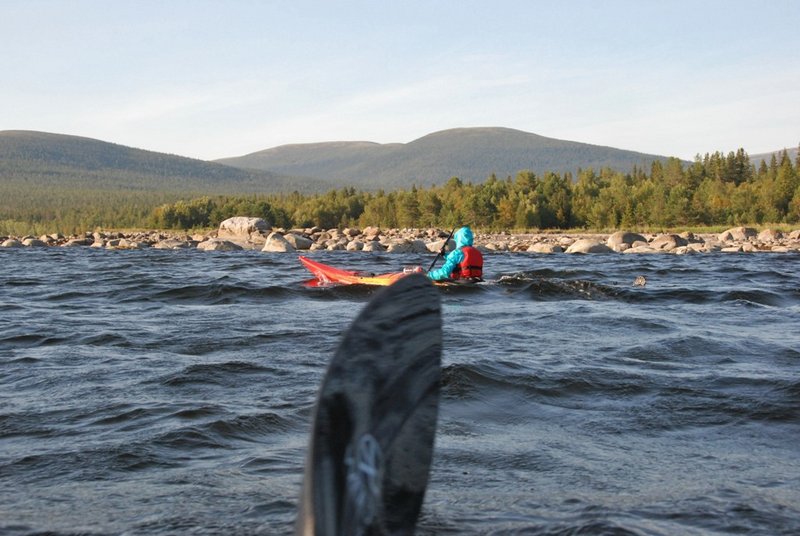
716, 189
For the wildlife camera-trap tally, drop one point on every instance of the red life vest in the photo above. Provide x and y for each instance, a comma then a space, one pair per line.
471, 266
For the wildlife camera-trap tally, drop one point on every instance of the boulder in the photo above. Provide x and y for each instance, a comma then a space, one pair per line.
371, 233
668, 242
217, 244
768, 235
372, 245
544, 247
355, 245
335, 244
241, 227
130, 243
419, 246
737, 234
172, 243
588, 245
277, 243
436, 245
298, 241
407, 246
622, 240
77, 242
795, 235
34, 243
11, 243
643, 249
399, 246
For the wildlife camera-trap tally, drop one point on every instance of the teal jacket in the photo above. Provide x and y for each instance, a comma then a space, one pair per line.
463, 237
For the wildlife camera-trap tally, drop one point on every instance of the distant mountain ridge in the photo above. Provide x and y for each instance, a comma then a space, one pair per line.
42, 159
471, 154
757, 158
63, 160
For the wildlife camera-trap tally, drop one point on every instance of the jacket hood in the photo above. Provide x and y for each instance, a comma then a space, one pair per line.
463, 237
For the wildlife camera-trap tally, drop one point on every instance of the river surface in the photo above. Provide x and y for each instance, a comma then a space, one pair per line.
170, 392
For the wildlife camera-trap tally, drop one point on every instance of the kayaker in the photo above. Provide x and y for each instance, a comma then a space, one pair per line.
464, 262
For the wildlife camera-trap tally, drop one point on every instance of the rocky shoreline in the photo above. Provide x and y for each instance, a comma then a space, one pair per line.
242, 233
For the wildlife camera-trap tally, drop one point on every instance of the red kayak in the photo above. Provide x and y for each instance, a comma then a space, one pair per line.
329, 274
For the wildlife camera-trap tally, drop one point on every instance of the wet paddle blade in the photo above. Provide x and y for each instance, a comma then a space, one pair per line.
375, 420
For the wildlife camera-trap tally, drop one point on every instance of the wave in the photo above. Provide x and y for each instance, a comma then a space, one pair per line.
30, 340
462, 381
224, 374
211, 294
534, 285
633, 398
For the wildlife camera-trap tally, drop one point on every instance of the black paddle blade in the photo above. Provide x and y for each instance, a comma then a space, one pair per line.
375, 420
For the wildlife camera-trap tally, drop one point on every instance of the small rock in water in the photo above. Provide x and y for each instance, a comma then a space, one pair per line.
640, 281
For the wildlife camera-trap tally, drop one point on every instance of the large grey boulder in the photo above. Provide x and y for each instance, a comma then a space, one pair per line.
622, 240
419, 246
34, 243
769, 235
172, 243
588, 245
642, 250
495, 246
130, 243
78, 242
737, 234
668, 242
436, 245
545, 248
242, 227
216, 244
404, 245
11, 243
277, 243
372, 245
399, 246
298, 241
371, 233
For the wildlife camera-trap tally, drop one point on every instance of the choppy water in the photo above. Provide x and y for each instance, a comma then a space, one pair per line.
170, 392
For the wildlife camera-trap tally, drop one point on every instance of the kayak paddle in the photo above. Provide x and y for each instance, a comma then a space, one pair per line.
441, 251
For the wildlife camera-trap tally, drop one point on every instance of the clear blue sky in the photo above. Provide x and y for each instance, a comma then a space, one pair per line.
211, 79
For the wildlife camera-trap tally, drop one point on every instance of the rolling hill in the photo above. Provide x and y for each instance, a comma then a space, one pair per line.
54, 182
471, 154
56, 160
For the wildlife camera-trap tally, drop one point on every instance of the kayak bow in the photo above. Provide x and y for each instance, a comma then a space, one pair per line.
330, 274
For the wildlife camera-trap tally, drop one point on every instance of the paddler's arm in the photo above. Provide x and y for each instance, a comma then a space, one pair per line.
450, 262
